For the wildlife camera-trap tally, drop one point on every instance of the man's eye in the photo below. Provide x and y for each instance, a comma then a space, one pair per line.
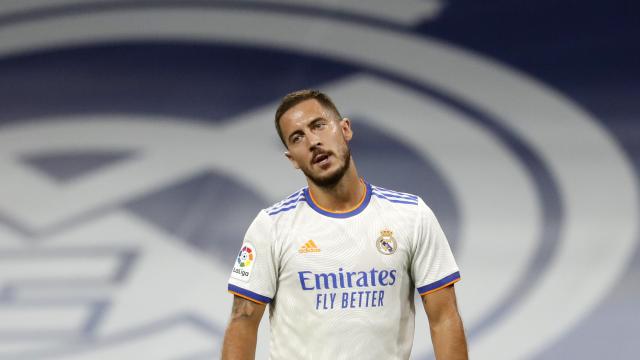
319, 125
296, 139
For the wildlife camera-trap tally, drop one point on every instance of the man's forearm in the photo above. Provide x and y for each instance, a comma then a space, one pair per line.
240, 341
448, 339
242, 332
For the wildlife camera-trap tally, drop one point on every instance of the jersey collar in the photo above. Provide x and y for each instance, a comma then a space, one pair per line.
340, 214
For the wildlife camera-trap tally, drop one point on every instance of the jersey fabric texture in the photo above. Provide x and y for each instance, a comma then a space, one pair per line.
341, 285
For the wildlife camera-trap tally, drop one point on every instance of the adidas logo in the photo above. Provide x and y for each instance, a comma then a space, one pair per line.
309, 247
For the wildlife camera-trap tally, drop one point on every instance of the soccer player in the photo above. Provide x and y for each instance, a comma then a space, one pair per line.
338, 260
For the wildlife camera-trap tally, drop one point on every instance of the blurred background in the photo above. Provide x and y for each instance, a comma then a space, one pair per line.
137, 144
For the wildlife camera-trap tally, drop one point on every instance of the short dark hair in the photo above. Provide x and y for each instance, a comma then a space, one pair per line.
296, 97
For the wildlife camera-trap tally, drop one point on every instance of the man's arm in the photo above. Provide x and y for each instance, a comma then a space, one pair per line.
242, 332
447, 332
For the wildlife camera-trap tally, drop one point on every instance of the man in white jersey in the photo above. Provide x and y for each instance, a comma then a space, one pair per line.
338, 261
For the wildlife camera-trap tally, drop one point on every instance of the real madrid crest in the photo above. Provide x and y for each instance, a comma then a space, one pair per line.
386, 243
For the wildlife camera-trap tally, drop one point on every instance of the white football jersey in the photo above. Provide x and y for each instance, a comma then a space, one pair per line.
341, 285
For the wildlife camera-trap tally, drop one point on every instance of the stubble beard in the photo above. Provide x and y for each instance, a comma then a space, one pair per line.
331, 180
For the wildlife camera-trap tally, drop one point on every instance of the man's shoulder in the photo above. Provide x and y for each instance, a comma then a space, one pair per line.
394, 196
287, 204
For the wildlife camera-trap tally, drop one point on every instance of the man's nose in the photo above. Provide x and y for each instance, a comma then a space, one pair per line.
314, 140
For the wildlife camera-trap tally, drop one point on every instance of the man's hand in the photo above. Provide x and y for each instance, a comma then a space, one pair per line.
447, 332
242, 331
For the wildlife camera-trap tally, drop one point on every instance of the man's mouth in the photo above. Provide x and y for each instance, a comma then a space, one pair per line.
320, 159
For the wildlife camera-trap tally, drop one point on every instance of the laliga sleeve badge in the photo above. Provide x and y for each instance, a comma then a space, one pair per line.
244, 263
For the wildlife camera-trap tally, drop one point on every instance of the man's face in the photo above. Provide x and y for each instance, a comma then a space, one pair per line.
317, 142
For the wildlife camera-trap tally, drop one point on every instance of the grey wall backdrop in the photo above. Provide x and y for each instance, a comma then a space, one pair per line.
137, 144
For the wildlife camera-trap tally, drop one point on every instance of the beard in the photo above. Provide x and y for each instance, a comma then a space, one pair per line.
332, 179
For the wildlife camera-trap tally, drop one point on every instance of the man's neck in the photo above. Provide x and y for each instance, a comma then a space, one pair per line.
346, 195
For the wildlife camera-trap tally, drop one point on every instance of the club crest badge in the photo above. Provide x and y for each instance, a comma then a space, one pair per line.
386, 243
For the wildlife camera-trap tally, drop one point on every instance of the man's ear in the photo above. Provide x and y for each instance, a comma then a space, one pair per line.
293, 162
345, 126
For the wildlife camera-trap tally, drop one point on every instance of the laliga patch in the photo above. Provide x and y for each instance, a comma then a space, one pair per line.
244, 263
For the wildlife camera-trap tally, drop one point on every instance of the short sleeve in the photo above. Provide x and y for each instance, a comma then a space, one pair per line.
254, 271
433, 266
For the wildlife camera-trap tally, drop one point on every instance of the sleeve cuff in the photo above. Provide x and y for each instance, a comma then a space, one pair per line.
442, 283
249, 295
